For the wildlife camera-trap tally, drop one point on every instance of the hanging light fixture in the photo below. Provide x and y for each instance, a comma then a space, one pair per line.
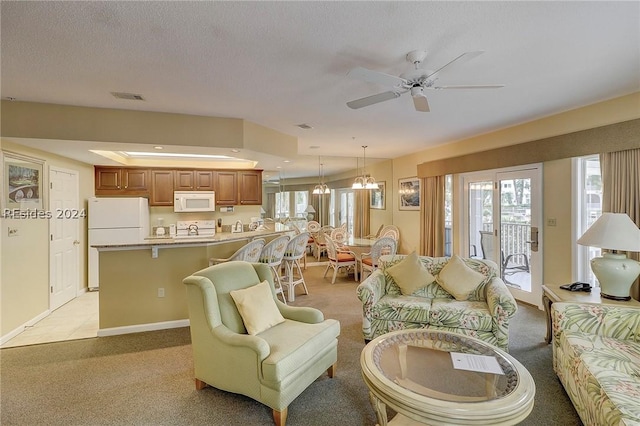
321, 187
364, 181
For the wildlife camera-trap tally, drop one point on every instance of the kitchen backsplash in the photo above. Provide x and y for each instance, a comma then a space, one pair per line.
168, 216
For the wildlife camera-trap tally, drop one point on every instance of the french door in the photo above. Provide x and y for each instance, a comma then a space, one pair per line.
502, 216
344, 209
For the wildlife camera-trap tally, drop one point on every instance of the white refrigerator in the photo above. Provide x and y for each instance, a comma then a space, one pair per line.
114, 221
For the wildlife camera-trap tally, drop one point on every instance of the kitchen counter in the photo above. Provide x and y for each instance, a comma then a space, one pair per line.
141, 283
168, 242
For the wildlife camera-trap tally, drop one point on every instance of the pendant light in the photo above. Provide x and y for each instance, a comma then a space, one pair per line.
321, 188
364, 181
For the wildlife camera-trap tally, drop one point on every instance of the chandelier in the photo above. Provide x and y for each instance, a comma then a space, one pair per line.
321, 187
364, 181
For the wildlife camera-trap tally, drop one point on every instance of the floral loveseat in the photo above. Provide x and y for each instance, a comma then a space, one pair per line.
596, 355
483, 312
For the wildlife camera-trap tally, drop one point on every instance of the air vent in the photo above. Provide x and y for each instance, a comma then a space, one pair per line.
304, 126
127, 96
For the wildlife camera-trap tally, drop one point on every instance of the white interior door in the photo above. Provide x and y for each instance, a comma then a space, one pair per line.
64, 242
502, 223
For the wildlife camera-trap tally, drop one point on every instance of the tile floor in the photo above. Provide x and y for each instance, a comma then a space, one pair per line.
77, 319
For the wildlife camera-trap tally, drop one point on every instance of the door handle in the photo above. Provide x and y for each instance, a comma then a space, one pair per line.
76, 242
534, 238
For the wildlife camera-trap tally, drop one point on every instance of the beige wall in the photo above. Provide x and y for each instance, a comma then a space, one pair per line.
24, 270
556, 174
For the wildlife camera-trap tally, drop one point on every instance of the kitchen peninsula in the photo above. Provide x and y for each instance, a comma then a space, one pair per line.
141, 283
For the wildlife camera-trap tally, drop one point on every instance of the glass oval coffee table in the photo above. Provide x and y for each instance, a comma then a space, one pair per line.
413, 373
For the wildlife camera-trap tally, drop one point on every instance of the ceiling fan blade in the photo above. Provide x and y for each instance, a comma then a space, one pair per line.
374, 99
375, 77
460, 59
470, 86
420, 103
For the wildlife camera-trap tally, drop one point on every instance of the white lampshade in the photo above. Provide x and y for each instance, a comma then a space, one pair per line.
310, 209
615, 273
613, 231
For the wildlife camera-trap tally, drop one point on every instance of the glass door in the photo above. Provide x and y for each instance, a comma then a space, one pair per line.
502, 224
344, 210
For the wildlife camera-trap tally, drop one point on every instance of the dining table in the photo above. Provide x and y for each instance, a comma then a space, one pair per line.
358, 246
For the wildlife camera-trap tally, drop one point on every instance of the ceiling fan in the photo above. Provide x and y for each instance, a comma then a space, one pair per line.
414, 81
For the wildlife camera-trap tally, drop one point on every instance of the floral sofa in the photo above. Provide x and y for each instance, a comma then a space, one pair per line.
596, 355
484, 313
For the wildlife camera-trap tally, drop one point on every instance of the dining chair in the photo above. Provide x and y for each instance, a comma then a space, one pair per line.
339, 259
320, 245
390, 231
249, 252
272, 254
295, 251
382, 246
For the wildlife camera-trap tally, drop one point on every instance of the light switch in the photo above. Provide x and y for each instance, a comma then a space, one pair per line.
551, 221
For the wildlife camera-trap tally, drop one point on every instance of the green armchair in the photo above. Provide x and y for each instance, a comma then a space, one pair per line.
273, 366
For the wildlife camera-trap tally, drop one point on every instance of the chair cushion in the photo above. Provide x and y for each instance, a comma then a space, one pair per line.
293, 344
257, 307
344, 257
458, 279
410, 274
460, 314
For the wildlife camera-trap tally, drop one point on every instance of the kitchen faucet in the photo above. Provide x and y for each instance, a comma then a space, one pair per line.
193, 229
238, 226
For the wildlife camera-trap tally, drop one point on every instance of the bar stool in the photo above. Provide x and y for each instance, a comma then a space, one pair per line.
296, 249
271, 255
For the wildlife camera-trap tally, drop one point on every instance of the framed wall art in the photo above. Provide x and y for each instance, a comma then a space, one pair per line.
409, 193
378, 197
23, 182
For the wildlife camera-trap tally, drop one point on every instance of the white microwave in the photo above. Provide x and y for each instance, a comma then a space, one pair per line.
194, 201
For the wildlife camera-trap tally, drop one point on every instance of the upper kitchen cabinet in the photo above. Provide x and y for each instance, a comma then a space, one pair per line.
238, 187
226, 187
250, 187
161, 187
194, 180
121, 181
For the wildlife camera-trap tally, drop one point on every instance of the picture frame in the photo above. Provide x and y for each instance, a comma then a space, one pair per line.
409, 193
23, 178
378, 197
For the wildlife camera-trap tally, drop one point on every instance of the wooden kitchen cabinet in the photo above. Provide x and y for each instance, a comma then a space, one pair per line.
194, 180
161, 188
121, 181
249, 187
226, 187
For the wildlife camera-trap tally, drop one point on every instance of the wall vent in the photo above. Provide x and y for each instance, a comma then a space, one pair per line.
127, 96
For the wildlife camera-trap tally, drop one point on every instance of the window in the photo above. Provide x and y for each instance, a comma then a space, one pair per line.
448, 215
292, 204
588, 202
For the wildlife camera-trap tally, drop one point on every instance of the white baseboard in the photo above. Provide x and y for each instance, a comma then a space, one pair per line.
13, 333
114, 331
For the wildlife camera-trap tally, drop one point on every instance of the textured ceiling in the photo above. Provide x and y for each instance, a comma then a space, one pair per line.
280, 64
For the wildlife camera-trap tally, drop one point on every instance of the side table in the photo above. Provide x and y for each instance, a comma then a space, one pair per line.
553, 293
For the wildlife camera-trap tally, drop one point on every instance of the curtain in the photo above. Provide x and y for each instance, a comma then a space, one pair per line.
621, 190
320, 203
362, 219
432, 216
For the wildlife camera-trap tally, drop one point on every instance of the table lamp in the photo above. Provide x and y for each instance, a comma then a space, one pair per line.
310, 211
614, 271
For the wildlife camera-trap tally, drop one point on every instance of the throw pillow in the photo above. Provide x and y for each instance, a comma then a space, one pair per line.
458, 279
257, 307
410, 274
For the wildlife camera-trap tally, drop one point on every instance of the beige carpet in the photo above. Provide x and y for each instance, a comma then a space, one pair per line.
147, 378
